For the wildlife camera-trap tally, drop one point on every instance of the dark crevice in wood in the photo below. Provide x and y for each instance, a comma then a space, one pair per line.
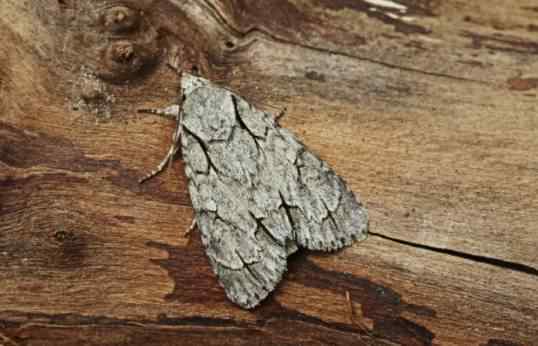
201, 321
518, 267
81, 320
267, 316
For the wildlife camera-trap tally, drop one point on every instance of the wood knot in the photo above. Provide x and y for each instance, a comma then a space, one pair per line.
128, 44
62, 236
70, 251
123, 52
120, 19
124, 60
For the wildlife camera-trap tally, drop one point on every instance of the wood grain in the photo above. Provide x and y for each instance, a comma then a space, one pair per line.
428, 110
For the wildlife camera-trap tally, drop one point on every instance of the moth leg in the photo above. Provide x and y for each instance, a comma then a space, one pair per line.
167, 159
173, 148
191, 228
280, 115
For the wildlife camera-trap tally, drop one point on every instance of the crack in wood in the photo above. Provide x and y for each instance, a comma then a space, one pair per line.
384, 64
496, 262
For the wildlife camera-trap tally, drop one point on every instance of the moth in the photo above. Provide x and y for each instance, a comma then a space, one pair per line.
257, 192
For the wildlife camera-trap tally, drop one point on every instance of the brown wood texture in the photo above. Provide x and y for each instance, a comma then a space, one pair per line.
428, 108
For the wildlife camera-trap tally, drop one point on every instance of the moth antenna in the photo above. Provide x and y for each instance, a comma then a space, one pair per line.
167, 112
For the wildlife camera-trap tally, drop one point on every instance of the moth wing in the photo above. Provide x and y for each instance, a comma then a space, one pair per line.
257, 192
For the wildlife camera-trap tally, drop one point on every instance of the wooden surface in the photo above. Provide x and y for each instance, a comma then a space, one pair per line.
429, 109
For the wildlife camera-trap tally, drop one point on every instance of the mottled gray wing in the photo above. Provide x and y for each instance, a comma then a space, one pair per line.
257, 192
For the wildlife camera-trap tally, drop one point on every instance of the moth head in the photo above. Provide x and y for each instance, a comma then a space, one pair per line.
189, 83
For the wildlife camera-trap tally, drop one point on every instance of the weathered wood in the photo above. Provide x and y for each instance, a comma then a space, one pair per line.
429, 111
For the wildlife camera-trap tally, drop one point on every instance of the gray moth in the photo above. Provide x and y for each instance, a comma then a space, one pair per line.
257, 192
